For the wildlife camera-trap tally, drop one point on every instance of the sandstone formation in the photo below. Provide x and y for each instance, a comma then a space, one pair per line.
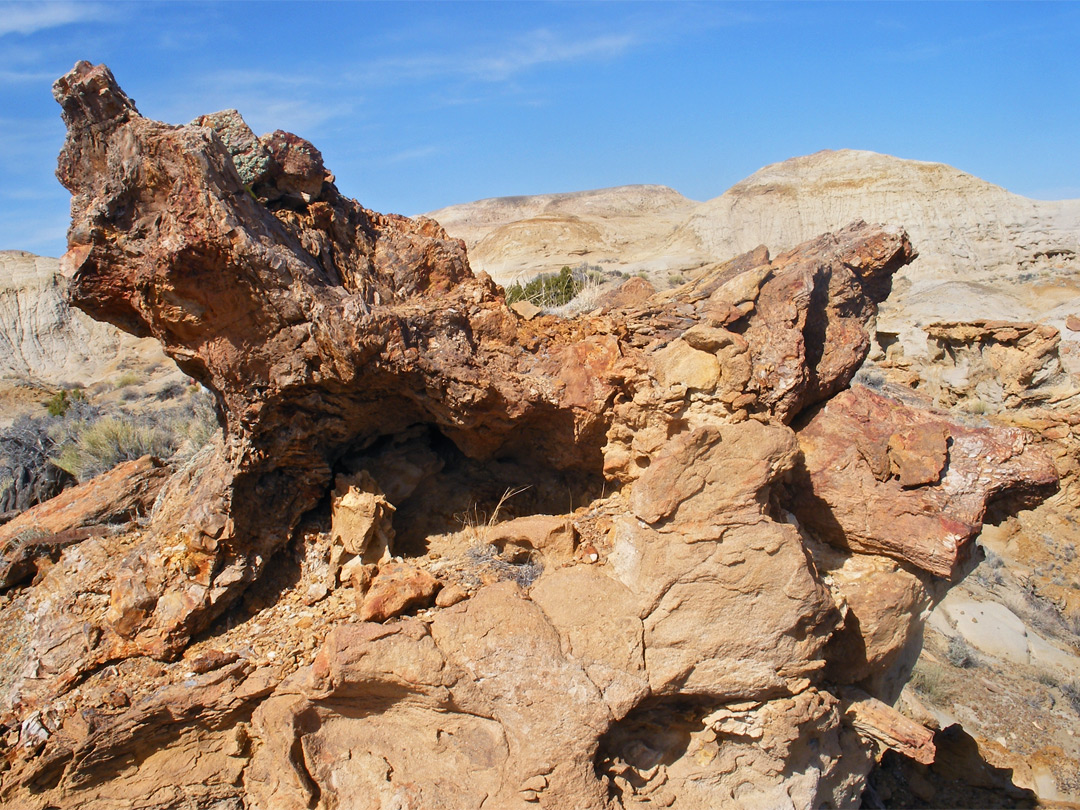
662, 621
43, 341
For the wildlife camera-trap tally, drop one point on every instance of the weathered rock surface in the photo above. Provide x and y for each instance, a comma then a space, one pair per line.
887, 478
1001, 655
984, 253
45, 341
668, 640
117, 497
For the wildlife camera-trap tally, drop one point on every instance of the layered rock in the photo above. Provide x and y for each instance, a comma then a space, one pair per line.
672, 641
44, 341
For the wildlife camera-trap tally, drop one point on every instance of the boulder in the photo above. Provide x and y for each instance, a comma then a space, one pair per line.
884, 477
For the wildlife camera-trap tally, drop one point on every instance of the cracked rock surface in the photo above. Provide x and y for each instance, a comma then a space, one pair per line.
600, 562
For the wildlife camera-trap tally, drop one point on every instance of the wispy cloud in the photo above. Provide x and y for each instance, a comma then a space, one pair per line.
544, 47
274, 103
500, 62
45, 234
29, 18
26, 77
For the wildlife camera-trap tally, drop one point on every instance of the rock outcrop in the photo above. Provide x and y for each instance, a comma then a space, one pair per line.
656, 626
984, 253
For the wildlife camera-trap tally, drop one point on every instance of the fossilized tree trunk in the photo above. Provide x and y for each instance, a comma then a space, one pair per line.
691, 655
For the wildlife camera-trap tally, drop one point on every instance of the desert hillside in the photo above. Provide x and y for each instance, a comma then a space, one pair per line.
983, 252
629, 228
44, 340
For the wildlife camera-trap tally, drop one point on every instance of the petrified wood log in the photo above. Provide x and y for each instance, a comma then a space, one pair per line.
669, 648
322, 326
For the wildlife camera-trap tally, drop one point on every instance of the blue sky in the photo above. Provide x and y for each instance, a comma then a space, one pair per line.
420, 105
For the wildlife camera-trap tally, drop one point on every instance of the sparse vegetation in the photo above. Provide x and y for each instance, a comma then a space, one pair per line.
477, 525
1071, 691
547, 291
79, 439
929, 679
569, 289
128, 378
92, 447
484, 555
62, 400
959, 653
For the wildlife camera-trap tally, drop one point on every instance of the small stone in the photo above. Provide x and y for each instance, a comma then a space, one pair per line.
396, 588
526, 310
315, 593
213, 659
588, 553
451, 595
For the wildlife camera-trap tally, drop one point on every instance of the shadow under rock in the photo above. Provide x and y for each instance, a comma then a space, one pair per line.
959, 779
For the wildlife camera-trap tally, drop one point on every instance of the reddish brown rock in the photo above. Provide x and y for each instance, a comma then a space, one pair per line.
688, 660
394, 589
41, 533
322, 326
630, 293
875, 479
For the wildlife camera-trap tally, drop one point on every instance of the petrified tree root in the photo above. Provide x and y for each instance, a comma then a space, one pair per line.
324, 328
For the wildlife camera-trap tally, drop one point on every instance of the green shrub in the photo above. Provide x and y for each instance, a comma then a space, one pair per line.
547, 291
62, 400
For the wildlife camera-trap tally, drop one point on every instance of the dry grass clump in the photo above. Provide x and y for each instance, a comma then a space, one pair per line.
84, 440
97, 446
90, 446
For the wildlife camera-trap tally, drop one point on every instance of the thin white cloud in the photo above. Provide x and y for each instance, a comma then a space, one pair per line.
45, 235
503, 62
26, 77
264, 108
544, 47
29, 18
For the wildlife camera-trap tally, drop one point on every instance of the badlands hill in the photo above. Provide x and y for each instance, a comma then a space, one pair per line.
47, 342
983, 252
628, 228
